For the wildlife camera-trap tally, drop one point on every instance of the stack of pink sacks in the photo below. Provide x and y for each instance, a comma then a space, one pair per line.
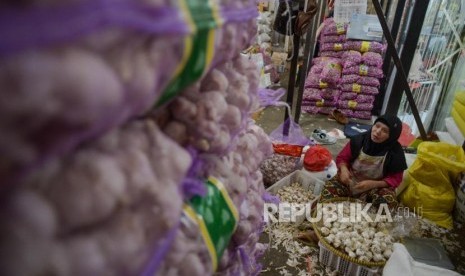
321, 91
361, 73
355, 69
333, 39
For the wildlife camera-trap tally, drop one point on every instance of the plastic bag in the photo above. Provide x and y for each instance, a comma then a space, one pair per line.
317, 158
295, 135
429, 181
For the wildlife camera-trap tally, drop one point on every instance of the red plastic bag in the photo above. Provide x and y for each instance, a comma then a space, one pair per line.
317, 158
286, 149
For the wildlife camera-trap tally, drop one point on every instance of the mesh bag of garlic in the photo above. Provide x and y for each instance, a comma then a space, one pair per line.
361, 239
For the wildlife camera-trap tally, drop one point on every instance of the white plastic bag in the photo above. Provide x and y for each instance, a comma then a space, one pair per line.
402, 263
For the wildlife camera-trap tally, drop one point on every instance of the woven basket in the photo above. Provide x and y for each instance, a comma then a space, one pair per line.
343, 255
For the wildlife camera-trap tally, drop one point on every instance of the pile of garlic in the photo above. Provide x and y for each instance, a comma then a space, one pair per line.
295, 193
362, 240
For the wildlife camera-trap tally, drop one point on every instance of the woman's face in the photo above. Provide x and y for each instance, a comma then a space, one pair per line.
379, 132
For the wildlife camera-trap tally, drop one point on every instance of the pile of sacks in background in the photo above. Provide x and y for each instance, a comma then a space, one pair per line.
94, 179
345, 75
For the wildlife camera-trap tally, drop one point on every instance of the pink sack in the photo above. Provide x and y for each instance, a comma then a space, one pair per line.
372, 59
363, 70
331, 72
313, 81
312, 94
316, 69
365, 46
331, 54
357, 88
333, 38
369, 81
324, 60
333, 28
360, 98
347, 112
366, 115
322, 103
343, 104
336, 47
330, 94
310, 109
351, 58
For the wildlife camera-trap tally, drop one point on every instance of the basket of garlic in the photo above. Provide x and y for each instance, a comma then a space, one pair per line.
353, 247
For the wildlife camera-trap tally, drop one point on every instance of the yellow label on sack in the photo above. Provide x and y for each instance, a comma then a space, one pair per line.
365, 47
363, 70
320, 103
357, 88
338, 47
323, 84
340, 28
352, 104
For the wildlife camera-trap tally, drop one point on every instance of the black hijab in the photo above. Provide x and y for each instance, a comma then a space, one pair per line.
395, 158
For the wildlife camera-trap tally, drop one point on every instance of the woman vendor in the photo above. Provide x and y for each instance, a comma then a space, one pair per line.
371, 165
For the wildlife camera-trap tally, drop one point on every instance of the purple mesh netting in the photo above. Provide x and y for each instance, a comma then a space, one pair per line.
269, 198
269, 97
193, 184
160, 252
22, 29
39, 27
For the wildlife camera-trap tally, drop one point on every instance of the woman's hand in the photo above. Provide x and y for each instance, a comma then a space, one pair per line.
363, 186
344, 175
367, 185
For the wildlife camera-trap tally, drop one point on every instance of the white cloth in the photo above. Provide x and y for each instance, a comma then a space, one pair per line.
402, 263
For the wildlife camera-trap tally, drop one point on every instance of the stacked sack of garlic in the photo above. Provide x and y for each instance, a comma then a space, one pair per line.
364, 238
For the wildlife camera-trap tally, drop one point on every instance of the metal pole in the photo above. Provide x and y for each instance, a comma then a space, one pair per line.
308, 55
402, 83
387, 58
